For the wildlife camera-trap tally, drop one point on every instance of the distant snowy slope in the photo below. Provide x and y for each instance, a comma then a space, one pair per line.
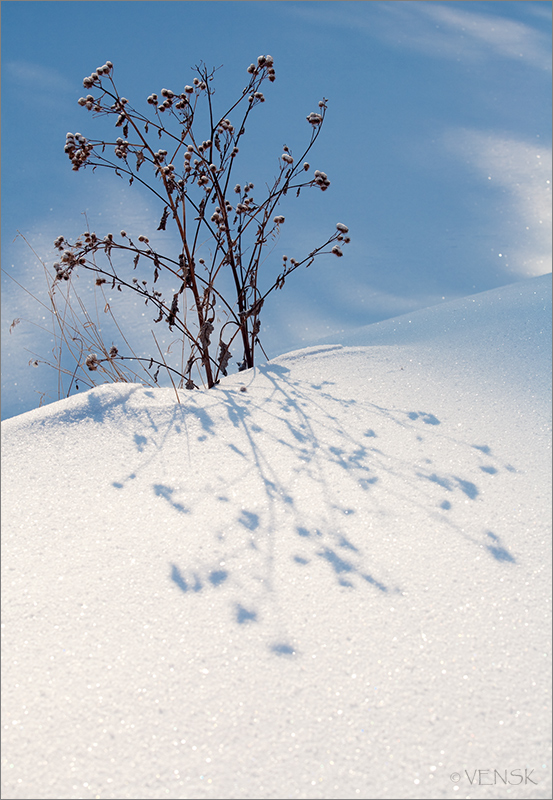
332, 584
513, 312
506, 329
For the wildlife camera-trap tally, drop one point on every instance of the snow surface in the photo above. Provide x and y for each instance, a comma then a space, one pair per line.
333, 584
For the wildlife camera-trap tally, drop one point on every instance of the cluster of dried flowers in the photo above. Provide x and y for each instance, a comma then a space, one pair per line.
186, 174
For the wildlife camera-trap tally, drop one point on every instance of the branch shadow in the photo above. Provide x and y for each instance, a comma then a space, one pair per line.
303, 424
290, 466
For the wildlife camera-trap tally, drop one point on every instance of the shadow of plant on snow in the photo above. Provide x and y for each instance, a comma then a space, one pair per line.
298, 482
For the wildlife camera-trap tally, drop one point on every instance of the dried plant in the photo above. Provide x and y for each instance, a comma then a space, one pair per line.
221, 230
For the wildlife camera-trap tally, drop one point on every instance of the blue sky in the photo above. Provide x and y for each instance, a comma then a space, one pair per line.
437, 143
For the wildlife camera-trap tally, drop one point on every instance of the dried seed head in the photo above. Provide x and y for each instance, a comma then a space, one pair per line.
288, 158
92, 362
321, 179
336, 250
341, 227
314, 119
278, 220
188, 89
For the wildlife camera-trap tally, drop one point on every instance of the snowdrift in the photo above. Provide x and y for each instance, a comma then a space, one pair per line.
325, 578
